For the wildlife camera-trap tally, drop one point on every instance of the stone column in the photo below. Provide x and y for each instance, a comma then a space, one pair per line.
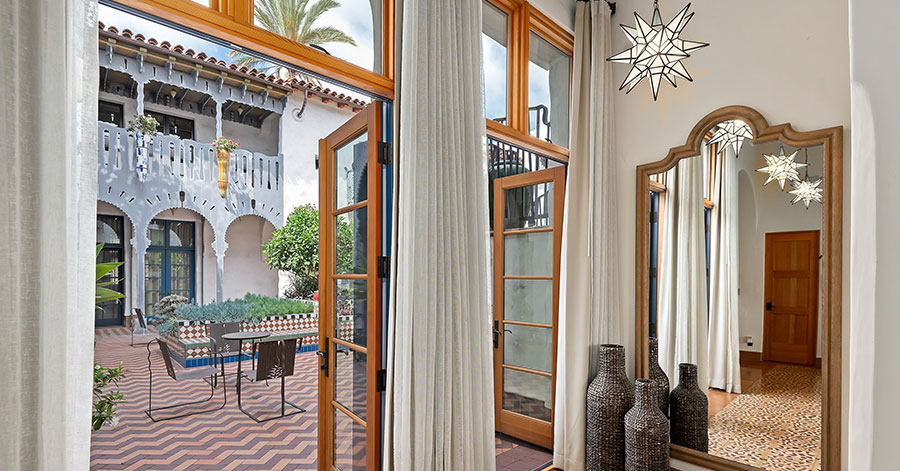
220, 246
139, 243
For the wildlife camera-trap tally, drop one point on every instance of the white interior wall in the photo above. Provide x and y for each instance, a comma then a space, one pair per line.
788, 60
875, 260
764, 209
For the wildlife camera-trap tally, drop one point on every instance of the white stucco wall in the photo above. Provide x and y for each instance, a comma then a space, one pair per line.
788, 60
764, 209
875, 260
245, 267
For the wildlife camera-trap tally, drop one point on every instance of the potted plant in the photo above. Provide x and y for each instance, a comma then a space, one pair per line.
224, 148
144, 128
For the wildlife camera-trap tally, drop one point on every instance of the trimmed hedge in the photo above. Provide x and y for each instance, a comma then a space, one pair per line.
252, 308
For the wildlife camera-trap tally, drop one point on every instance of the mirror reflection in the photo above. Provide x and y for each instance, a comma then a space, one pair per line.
735, 240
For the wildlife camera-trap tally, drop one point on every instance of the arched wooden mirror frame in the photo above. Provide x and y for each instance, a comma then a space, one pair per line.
832, 141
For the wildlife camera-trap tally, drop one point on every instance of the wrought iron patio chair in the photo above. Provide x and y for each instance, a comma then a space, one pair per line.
181, 375
137, 319
219, 348
276, 361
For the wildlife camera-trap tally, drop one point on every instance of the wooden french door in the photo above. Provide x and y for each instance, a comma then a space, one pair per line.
528, 211
350, 294
791, 297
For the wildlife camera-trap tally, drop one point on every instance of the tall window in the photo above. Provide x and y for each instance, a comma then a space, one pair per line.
654, 261
169, 262
549, 73
110, 234
494, 49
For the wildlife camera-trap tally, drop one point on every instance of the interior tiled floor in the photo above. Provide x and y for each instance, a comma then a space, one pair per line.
515, 455
225, 439
775, 423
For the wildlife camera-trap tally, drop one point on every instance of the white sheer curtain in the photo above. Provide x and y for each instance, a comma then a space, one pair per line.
682, 331
724, 349
48, 194
439, 413
590, 300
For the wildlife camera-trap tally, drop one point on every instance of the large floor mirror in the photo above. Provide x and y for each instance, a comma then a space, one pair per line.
738, 267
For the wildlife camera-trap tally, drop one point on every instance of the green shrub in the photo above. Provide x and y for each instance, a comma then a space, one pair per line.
264, 306
106, 403
295, 248
165, 308
253, 308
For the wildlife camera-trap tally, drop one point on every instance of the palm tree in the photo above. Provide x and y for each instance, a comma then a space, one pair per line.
293, 19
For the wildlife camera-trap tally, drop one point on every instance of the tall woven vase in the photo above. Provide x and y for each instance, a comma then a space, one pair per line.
689, 411
659, 378
609, 397
646, 431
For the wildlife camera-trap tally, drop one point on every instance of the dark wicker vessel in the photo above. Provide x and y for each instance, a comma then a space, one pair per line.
658, 376
646, 431
689, 411
609, 397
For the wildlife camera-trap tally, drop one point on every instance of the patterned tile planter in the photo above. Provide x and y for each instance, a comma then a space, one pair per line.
190, 346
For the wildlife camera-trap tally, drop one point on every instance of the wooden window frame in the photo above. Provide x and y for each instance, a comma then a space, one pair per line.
232, 20
523, 19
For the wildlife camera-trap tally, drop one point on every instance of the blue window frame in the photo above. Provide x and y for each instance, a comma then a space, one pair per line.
654, 261
169, 262
110, 234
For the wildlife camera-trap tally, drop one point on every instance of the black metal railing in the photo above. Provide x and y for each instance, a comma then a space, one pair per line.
528, 206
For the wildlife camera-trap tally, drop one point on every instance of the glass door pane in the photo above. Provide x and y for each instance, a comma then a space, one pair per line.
111, 312
349, 340
153, 280
526, 258
180, 273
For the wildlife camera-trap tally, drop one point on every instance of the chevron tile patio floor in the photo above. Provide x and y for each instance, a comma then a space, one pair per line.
226, 439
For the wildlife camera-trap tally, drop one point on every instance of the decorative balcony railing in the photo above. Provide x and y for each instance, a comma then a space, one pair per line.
183, 174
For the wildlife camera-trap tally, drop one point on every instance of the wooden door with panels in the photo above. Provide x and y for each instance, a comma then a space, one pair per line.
791, 297
528, 211
350, 211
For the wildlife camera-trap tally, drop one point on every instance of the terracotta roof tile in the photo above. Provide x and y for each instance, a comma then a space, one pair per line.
326, 94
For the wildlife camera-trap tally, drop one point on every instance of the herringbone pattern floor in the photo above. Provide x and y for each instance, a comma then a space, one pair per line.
225, 439
222, 440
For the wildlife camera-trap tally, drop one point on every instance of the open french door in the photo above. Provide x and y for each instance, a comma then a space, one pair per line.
528, 210
350, 183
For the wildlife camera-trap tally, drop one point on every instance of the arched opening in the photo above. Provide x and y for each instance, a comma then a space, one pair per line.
246, 270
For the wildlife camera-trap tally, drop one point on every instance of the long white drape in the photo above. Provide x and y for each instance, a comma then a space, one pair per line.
683, 320
48, 194
440, 413
590, 301
724, 349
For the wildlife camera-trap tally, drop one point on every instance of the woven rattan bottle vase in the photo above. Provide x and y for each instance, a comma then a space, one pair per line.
659, 378
689, 411
610, 396
646, 431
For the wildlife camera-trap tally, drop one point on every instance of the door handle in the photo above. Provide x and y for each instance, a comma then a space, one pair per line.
769, 306
323, 354
497, 333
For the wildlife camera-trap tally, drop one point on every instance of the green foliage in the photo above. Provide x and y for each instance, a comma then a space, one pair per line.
164, 309
292, 19
295, 248
253, 308
264, 306
101, 292
106, 403
144, 123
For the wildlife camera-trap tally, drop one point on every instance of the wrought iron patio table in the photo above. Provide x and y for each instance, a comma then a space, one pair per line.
252, 336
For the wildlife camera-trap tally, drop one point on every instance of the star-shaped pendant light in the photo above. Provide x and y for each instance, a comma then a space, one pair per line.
807, 191
781, 167
732, 132
656, 50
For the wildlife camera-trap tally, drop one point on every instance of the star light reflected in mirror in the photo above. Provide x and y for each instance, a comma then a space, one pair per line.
806, 191
781, 167
732, 132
